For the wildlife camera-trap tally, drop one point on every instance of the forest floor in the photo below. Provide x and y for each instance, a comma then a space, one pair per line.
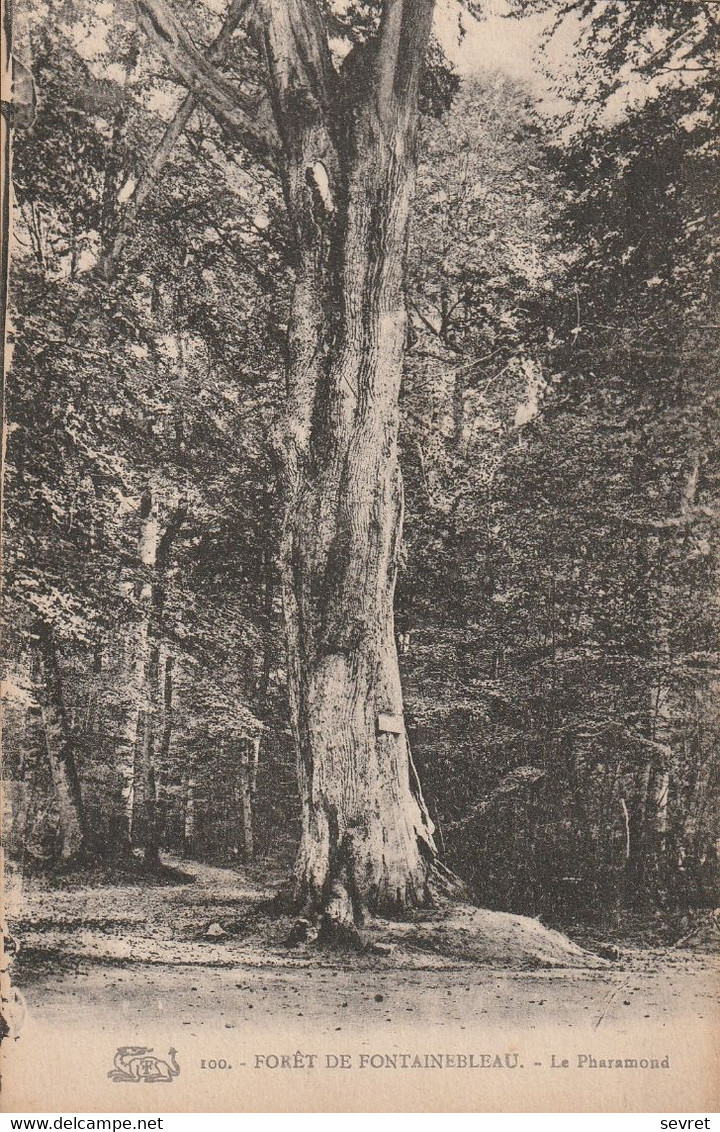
199, 945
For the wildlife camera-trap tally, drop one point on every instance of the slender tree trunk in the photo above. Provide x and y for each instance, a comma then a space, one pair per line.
660, 777
268, 644
248, 749
164, 747
138, 773
458, 407
125, 749
154, 550
189, 817
164, 752
128, 751
147, 809
60, 753
637, 858
661, 791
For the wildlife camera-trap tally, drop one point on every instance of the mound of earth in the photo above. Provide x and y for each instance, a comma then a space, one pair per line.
462, 931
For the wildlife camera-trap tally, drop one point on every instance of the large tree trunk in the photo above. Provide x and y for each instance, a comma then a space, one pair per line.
60, 754
366, 835
364, 823
347, 161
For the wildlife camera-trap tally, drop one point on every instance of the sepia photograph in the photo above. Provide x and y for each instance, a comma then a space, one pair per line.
361, 569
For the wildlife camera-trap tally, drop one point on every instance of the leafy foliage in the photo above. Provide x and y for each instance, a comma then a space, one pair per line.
558, 611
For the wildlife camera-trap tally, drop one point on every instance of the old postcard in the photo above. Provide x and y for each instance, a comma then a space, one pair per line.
361, 657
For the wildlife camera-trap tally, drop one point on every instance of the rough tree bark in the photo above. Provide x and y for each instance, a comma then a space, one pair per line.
60, 753
347, 162
367, 841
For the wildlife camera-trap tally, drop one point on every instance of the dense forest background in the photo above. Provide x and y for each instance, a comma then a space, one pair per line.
557, 613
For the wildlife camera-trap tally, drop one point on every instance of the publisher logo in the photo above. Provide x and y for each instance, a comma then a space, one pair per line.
138, 1063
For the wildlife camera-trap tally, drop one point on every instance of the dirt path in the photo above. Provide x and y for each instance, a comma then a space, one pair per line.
105, 965
649, 990
149, 950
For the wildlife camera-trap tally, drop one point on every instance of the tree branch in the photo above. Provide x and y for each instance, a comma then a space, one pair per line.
139, 192
425, 321
240, 116
142, 188
660, 749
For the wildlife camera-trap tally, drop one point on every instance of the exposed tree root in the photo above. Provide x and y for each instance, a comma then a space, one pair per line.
445, 885
452, 928
338, 921
440, 918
